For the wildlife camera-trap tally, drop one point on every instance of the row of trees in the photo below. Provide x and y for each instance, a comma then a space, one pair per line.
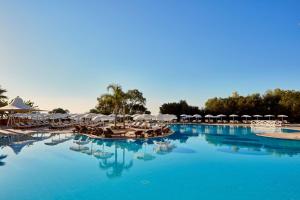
275, 102
116, 101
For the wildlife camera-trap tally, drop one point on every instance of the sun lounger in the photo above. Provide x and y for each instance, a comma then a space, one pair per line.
108, 133
139, 133
158, 131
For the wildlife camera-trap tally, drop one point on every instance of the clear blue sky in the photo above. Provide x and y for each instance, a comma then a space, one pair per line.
64, 53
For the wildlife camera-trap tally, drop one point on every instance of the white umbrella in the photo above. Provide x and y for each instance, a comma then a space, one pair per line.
257, 116
183, 115
246, 116
133, 116
282, 116
114, 115
98, 118
221, 116
197, 116
188, 117
138, 118
161, 117
46, 116
233, 116
269, 116
77, 117
171, 117
142, 117
64, 116
165, 117
35, 116
54, 116
107, 118
88, 116
58, 116
209, 116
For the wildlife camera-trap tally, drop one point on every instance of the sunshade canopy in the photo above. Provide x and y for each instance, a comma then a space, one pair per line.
246, 116
17, 105
282, 116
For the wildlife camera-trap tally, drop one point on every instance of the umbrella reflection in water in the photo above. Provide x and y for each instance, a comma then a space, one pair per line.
144, 155
163, 147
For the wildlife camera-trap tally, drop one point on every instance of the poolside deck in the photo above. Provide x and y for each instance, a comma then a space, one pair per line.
284, 136
287, 136
12, 132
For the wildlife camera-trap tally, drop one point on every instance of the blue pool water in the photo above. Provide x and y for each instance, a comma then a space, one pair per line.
196, 162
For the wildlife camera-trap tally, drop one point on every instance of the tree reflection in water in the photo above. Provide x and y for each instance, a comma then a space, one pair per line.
234, 139
116, 166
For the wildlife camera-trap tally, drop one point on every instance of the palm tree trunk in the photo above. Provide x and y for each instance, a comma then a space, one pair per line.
124, 121
115, 113
124, 117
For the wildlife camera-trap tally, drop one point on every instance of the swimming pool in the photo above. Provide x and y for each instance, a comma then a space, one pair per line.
196, 162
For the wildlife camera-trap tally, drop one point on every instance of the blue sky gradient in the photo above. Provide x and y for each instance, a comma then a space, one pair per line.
64, 53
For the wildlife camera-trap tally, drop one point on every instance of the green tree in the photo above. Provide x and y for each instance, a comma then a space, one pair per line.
135, 100
179, 108
138, 109
105, 105
273, 102
117, 98
59, 110
116, 101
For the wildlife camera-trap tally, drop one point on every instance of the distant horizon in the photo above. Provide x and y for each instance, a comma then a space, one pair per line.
61, 54
61, 105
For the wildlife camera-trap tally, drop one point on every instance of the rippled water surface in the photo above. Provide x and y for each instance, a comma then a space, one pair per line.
196, 162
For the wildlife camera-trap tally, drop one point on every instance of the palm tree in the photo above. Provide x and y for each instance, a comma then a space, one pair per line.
116, 166
117, 97
118, 102
3, 98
